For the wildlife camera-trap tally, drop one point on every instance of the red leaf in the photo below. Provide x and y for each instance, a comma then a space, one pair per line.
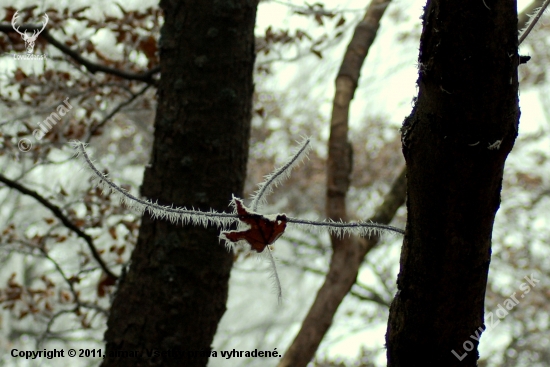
262, 231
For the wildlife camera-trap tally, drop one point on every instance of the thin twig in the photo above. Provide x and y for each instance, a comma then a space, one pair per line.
532, 22
219, 219
77, 300
146, 77
222, 220
184, 215
339, 228
523, 17
62, 217
115, 111
372, 295
273, 179
275, 275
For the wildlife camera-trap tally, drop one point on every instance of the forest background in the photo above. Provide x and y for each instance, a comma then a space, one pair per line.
299, 50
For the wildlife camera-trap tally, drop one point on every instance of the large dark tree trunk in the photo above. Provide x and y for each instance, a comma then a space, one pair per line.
176, 288
455, 143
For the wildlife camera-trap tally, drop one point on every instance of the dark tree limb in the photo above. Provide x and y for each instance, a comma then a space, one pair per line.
92, 67
455, 142
63, 218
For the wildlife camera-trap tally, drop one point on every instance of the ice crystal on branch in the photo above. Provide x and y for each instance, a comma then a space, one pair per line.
533, 20
280, 174
257, 230
175, 215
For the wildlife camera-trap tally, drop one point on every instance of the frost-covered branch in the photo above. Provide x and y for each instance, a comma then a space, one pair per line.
175, 215
363, 229
280, 174
259, 231
116, 110
221, 219
533, 21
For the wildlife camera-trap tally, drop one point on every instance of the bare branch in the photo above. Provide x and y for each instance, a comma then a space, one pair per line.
342, 274
533, 21
92, 67
281, 173
222, 219
62, 217
115, 111
347, 252
523, 17
371, 295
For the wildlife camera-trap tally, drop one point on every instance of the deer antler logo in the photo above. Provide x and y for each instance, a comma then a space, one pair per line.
29, 40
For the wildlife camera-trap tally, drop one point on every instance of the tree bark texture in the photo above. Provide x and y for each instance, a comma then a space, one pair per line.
175, 291
455, 143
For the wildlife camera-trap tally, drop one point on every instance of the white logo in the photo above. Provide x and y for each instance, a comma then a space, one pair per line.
29, 39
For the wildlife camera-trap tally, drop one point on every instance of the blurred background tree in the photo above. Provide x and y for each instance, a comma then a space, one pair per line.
299, 51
